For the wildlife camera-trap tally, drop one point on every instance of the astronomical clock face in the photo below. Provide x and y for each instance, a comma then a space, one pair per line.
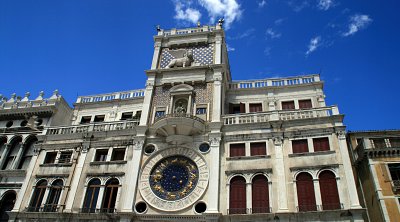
174, 179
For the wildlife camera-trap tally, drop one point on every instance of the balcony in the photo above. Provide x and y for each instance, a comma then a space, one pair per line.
111, 96
176, 126
252, 84
185, 31
97, 210
261, 117
92, 127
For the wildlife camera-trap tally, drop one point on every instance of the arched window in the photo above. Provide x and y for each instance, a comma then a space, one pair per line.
7, 204
305, 192
54, 195
329, 191
12, 154
27, 154
110, 196
37, 196
237, 196
260, 195
92, 193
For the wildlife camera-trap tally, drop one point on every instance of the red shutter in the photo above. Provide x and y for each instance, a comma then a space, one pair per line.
300, 146
258, 149
288, 105
237, 150
329, 191
242, 108
230, 108
237, 196
305, 192
256, 107
305, 104
260, 195
321, 144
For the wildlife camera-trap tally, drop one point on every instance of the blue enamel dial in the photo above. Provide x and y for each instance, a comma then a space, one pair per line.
174, 177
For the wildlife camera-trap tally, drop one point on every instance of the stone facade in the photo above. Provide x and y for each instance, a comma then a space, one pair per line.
193, 145
376, 156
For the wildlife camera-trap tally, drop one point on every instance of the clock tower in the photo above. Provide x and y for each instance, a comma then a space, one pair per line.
180, 172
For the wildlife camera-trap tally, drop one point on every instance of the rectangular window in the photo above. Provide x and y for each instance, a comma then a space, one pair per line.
394, 169
288, 105
237, 150
321, 144
118, 154
50, 157
201, 111
99, 118
305, 104
160, 114
258, 149
395, 142
65, 157
101, 155
138, 115
127, 115
237, 108
85, 119
379, 143
255, 107
300, 146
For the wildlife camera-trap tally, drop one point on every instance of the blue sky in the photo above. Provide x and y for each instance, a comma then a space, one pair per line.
84, 47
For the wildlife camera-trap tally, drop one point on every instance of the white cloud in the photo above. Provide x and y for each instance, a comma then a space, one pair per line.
267, 51
279, 21
272, 34
229, 9
298, 5
314, 44
229, 48
262, 3
186, 13
357, 22
325, 4
245, 34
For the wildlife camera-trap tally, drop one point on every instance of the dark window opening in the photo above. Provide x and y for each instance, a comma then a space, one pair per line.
201, 111
99, 118
395, 142
305, 104
118, 154
110, 196
160, 114
394, 169
7, 204
50, 157
9, 124
37, 196
149, 149
54, 195
237, 108
379, 143
85, 119
200, 207
27, 155
321, 144
141, 207
300, 146
257, 149
127, 115
92, 194
101, 155
237, 149
11, 155
288, 105
255, 107
24, 123
65, 157
138, 115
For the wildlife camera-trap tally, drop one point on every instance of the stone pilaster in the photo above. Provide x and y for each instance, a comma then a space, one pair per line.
213, 187
279, 171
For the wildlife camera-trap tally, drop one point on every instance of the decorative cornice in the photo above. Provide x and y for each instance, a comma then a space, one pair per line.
314, 167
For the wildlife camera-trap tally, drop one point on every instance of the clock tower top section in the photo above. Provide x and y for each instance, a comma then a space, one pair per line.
201, 47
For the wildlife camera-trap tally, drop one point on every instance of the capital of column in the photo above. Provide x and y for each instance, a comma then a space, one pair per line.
278, 140
138, 143
215, 141
341, 134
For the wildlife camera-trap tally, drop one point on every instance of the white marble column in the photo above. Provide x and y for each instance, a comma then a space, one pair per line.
23, 191
156, 54
131, 177
17, 159
148, 94
279, 170
216, 112
249, 197
213, 186
4, 155
317, 191
348, 171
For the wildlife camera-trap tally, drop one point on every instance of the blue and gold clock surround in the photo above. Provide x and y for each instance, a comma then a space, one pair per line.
174, 177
